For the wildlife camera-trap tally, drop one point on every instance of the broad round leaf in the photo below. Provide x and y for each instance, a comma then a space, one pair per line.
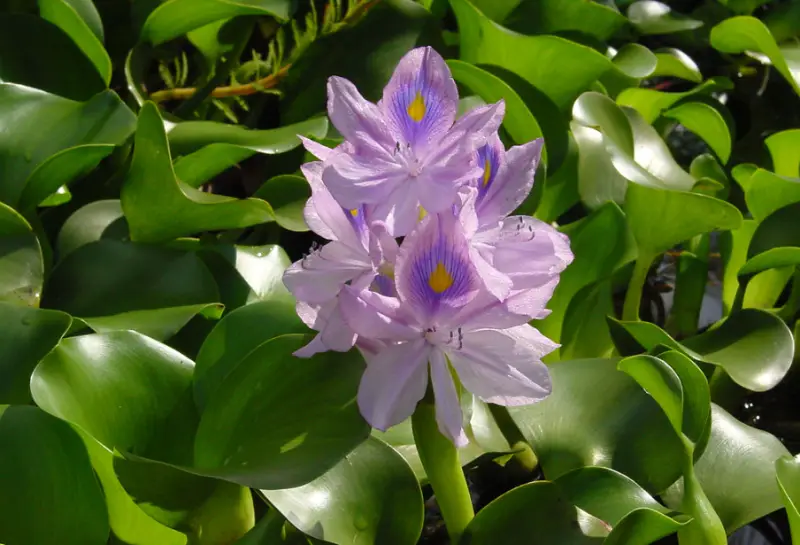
65, 70
707, 123
28, 334
651, 17
635, 61
46, 124
660, 382
119, 387
766, 192
753, 346
484, 41
556, 16
238, 334
598, 416
788, 472
783, 147
736, 471
308, 406
191, 136
21, 265
371, 496
122, 285
748, 34
174, 18
651, 103
95, 221
676, 63
159, 207
287, 194
45, 475
660, 219
64, 15
518, 121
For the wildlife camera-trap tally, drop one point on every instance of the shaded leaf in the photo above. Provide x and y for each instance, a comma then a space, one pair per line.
783, 148
651, 17
21, 265
95, 221
707, 123
287, 195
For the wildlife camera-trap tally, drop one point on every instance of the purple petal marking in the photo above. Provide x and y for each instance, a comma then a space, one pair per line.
434, 274
421, 99
489, 157
512, 183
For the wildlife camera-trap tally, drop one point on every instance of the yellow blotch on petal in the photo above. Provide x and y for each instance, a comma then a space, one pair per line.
440, 279
416, 110
487, 172
354, 212
421, 214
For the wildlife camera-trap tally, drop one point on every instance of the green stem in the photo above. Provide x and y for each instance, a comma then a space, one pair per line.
440, 459
738, 300
705, 528
633, 297
792, 305
524, 457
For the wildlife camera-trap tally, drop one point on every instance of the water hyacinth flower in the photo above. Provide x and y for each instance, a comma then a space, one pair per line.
359, 254
442, 316
455, 298
408, 151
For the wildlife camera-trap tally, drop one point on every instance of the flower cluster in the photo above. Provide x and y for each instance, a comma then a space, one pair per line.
457, 294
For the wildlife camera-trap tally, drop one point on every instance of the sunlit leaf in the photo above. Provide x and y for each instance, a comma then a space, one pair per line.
651, 17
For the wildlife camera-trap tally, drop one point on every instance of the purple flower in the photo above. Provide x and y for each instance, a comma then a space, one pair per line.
359, 254
408, 150
442, 319
521, 257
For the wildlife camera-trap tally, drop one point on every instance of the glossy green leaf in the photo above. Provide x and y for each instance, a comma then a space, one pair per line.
676, 63
64, 71
371, 496
287, 194
748, 34
191, 136
547, 510
561, 187
27, 336
484, 41
598, 416
63, 14
21, 266
599, 182
159, 207
707, 123
95, 221
651, 103
773, 258
388, 30
238, 334
120, 387
203, 165
766, 192
128, 522
87, 11
753, 346
736, 471
45, 475
121, 285
598, 111
659, 219
788, 473
596, 258
783, 148
781, 228
246, 274
309, 407
60, 169
585, 333
696, 397
635, 61
48, 124
174, 18
518, 121
651, 17
555, 16
659, 381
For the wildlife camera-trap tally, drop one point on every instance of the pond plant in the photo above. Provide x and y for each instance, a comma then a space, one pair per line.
398, 272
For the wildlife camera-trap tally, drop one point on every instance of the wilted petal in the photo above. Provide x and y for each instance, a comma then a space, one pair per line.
357, 119
393, 383
421, 98
375, 316
434, 275
448, 406
506, 184
504, 366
